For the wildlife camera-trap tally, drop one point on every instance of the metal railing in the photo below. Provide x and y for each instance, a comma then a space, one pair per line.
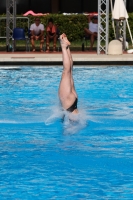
10, 19
21, 22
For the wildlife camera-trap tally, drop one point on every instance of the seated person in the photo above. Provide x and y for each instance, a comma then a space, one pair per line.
92, 30
37, 33
51, 34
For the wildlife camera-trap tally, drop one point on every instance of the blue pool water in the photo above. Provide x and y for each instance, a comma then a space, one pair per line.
42, 157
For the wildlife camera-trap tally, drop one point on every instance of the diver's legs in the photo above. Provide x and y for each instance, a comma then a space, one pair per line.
65, 90
65, 84
72, 82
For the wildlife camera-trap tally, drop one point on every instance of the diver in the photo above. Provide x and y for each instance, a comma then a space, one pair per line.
67, 94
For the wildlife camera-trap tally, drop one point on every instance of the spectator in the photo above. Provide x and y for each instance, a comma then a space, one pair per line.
37, 33
92, 30
51, 34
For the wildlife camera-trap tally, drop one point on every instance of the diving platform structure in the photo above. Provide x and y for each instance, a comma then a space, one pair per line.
10, 20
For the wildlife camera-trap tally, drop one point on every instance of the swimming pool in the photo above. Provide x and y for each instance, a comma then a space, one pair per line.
41, 157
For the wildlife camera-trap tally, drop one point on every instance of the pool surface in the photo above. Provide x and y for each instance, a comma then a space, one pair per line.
44, 157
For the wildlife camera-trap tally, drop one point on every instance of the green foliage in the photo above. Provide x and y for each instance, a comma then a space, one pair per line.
72, 25
2, 27
130, 20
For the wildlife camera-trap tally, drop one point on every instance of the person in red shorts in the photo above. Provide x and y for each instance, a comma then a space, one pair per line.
51, 34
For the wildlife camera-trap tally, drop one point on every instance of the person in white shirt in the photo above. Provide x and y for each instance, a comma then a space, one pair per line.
92, 30
37, 33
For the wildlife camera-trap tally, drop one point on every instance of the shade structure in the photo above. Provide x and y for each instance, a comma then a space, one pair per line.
119, 11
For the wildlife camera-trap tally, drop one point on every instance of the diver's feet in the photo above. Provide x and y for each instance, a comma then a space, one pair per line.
64, 41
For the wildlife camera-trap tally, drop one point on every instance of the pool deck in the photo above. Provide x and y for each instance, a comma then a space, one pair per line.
79, 58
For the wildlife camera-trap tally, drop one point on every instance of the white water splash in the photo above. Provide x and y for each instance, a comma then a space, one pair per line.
72, 123
54, 114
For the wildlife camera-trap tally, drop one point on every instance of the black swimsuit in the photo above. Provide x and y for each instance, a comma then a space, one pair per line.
74, 106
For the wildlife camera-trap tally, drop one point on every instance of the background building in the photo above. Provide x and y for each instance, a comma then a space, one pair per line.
57, 6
